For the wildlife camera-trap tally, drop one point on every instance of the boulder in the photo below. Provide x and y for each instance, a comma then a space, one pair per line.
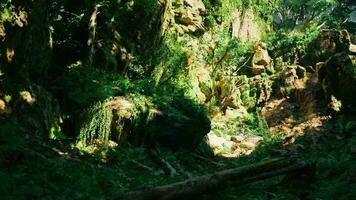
290, 80
188, 13
338, 79
219, 145
328, 43
261, 60
140, 122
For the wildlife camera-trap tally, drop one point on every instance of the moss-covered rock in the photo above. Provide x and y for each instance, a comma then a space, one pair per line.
137, 120
338, 78
188, 14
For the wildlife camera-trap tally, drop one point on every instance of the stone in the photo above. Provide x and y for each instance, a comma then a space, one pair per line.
279, 64
320, 70
26, 96
196, 4
329, 43
227, 137
301, 72
352, 49
254, 139
219, 144
338, 79
261, 60
139, 122
189, 13
258, 69
247, 145
238, 138
205, 82
2, 106
245, 26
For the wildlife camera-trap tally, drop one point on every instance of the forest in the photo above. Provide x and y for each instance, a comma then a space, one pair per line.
177, 99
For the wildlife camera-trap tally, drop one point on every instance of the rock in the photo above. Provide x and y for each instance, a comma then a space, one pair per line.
329, 43
196, 4
258, 69
279, 65
240, 113
291, 79
352, 49
2, 106
188, 13
320, 70
26, 96
136, 120
227, 137
205, 82
261, 60
238, 138
301, 72
214, 141
338, 79
265, 90
248, 145
254, 139
245, 26
219, 144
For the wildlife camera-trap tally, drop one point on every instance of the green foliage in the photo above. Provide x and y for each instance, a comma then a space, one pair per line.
159, 76
7, 11
171, 62
84, 85
293, 13
283, 41
263, 9
96, 124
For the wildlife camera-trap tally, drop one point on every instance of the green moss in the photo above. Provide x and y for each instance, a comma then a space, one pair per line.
96, 124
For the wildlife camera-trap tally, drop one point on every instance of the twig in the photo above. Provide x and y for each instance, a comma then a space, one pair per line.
208, 160
167, 167
142, 165
243, 65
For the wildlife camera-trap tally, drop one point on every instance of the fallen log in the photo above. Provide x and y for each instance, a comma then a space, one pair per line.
193, 187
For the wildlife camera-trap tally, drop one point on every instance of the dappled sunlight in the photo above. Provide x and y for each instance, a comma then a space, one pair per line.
177, 99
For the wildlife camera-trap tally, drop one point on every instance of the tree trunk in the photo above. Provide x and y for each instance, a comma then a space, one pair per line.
193, 187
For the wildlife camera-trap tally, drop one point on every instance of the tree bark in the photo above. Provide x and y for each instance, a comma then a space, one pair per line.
193, 187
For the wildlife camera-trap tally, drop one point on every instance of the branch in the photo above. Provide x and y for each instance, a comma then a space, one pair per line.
194, 187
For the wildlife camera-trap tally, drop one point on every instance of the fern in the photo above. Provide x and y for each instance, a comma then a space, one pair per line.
96, 123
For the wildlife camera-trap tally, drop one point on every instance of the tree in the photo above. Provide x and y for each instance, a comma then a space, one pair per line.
293, 13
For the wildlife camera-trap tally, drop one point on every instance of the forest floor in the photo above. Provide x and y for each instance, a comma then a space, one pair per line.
57, 168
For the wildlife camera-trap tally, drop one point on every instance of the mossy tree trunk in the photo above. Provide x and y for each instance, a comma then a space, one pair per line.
28, 42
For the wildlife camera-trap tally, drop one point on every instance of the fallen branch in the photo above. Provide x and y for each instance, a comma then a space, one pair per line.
142, 166
193, 187
167, 167
208, 160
